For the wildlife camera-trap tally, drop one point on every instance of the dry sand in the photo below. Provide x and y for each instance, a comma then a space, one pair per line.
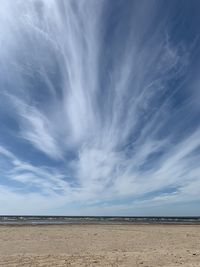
100, 245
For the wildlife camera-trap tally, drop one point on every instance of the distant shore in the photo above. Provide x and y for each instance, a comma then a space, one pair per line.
100, 245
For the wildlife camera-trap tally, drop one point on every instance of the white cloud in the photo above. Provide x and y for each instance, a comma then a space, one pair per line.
36, 128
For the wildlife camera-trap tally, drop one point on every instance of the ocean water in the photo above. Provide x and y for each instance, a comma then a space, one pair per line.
46, 220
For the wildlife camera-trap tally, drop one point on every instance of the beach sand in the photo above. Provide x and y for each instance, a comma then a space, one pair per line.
100, 245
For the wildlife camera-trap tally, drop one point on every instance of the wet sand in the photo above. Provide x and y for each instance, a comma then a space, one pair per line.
100, 245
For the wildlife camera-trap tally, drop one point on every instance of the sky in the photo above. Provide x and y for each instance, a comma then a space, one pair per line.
100, 107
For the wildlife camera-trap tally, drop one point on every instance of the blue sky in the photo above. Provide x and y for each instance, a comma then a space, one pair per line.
100, 107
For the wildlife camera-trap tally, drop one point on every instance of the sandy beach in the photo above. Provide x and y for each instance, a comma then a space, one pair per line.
100, 245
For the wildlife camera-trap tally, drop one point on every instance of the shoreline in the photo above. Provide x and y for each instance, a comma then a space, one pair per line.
103, 224
97, 220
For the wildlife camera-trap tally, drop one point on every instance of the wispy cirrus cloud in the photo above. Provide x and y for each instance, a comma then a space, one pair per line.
100, 91
36, 128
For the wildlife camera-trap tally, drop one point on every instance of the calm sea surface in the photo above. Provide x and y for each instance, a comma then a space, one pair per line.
37, 220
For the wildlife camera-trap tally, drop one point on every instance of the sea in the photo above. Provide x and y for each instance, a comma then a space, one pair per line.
59, 220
